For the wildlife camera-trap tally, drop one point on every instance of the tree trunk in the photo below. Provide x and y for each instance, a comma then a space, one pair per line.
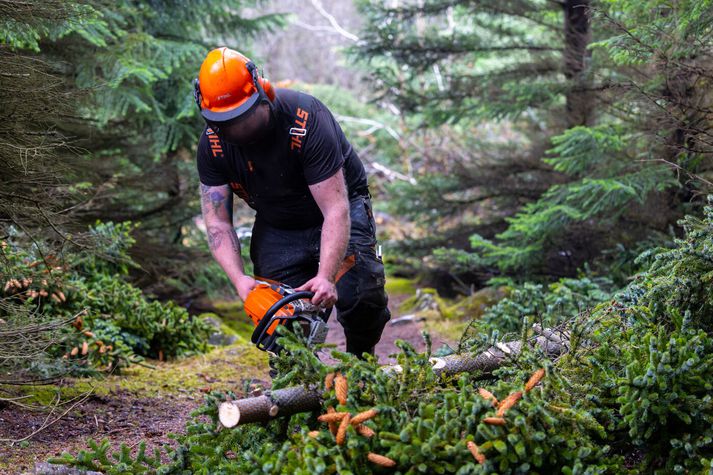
577, 62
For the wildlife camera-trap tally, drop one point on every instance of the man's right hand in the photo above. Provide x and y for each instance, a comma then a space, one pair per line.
244, 285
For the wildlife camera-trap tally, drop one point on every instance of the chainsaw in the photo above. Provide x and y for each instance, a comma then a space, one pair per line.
271, 304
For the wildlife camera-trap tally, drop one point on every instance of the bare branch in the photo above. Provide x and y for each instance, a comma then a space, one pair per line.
333, 21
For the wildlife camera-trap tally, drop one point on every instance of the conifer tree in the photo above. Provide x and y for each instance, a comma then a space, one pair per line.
603, 94
138, 120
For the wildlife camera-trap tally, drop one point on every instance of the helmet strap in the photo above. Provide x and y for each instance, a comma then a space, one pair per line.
197, 93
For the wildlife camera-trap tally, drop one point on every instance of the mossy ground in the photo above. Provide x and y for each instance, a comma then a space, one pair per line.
400, 286
141, 403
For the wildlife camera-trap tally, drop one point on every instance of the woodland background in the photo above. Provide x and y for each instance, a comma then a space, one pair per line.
542, 161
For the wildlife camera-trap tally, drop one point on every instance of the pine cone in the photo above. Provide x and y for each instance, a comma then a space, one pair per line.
380, 460
476, 453
340, 387
508, 402
534, 379
364, 416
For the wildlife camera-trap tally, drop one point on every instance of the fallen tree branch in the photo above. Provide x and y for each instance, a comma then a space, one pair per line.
288, 401
44, 468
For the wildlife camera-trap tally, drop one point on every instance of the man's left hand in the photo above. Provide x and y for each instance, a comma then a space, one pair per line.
325, 291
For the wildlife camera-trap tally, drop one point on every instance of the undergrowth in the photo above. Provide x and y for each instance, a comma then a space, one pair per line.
632, 395
115, 324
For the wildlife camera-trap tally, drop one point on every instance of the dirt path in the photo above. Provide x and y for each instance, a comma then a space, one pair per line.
407, 330
123, 418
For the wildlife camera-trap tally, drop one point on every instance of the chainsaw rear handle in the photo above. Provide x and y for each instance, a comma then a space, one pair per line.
262, 327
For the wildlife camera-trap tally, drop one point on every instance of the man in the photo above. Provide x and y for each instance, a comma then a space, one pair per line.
284, 154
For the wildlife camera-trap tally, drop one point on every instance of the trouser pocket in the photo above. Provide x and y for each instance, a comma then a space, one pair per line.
362, 308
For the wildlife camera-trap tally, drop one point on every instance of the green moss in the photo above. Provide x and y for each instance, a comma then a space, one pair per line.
222, 369
46, 395
243, 336
400, 285
473, 306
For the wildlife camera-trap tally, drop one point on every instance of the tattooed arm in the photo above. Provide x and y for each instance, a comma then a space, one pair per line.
217, 207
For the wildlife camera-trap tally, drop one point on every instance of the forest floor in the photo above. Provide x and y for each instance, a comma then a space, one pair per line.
149, 404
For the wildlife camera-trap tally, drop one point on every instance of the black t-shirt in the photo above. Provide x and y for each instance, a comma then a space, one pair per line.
272, 176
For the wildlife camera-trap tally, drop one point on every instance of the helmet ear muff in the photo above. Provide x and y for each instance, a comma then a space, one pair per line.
267, 87
261, 84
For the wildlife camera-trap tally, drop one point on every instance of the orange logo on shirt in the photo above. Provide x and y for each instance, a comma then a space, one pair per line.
215, 146
296, 140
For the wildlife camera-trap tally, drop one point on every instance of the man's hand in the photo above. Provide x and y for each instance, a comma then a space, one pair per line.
244, 285
325, 292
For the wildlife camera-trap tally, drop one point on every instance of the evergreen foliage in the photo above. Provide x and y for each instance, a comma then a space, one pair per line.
632, 395
530, 302
113, 323
99, 123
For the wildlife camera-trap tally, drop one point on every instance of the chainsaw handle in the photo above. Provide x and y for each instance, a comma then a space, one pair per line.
264, 322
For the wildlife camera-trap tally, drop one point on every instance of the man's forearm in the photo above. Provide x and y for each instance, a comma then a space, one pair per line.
334, 240
217, 208
225, 247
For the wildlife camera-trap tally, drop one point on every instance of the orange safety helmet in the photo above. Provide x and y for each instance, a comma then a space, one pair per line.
228, 86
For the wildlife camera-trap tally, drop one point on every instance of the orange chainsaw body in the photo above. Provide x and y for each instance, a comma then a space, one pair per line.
271, 304
261, 298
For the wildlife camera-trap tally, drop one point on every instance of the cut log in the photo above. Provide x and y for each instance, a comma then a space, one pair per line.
281, 402
288, 401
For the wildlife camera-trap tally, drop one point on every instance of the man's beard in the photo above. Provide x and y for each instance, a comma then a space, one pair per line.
259, 135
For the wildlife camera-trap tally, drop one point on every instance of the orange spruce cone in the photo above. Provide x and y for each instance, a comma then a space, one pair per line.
340, 387
85, 347
332, 425
74, 351
329, 381
365, 431
508, 402
494, 421
475, 452
364, 416
488, 396
380, 460
534, 379
313, 433
342, 431
332, 417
